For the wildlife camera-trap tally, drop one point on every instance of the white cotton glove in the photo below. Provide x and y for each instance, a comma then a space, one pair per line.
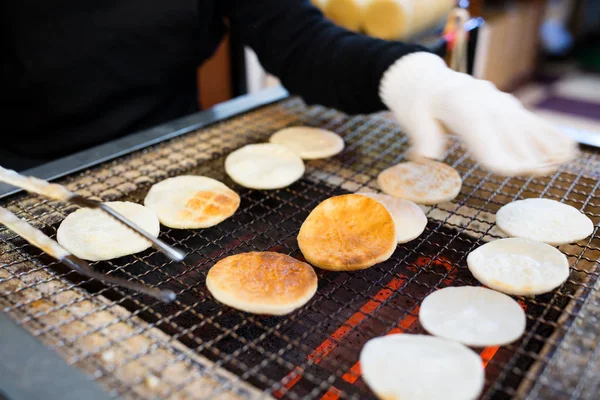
426, 97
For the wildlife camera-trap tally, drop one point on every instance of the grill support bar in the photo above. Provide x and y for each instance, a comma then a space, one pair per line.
140, 140
30, 371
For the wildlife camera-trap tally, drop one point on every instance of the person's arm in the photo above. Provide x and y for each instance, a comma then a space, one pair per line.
313, 57
357, 74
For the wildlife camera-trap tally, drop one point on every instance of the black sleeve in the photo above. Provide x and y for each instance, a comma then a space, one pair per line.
313, 57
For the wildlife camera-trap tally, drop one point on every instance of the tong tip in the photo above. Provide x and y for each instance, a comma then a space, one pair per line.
174, 254
166, 296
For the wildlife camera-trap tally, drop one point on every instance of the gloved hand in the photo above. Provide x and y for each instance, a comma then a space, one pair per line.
426, 97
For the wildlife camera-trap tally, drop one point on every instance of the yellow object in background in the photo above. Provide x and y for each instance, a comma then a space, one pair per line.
426, 13
320, 4
345, 13
387, 19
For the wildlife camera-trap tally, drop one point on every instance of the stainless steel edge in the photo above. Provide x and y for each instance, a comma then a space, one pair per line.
30, 371
586, 138
136, 141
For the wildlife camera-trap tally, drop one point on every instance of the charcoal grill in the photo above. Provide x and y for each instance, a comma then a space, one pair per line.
133, 346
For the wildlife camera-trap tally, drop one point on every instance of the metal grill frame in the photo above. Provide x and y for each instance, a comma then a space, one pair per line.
465, 223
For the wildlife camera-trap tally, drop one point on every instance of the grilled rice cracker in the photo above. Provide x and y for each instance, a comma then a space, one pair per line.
191, 202
262, 282
472, 315
424, 182
348, 232
518, 266
93, 235
309, 143
545, 220
405, 366
410, 220
264, 166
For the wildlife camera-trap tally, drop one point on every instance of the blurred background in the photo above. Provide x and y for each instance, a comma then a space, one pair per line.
546, 52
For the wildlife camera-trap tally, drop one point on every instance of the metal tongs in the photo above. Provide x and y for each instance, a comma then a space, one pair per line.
40, 240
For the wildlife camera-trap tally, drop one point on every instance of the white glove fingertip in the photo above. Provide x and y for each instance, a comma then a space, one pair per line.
559, 148
427, 139
434, 152
568, 148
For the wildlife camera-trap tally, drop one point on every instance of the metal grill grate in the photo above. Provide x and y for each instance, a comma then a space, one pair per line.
196, 348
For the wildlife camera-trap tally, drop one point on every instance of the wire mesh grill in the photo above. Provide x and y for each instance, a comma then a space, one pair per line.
196, 348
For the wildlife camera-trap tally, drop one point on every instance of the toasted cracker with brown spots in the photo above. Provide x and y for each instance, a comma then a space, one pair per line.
191, 202
262, 282
424, 182
348, 232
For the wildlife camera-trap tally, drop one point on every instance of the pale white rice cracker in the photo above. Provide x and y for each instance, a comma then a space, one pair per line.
408, 217
309, 143
474, 316
424, 182
404, 366
544, 220
93, 235
264, 166
519, 266
192, 202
